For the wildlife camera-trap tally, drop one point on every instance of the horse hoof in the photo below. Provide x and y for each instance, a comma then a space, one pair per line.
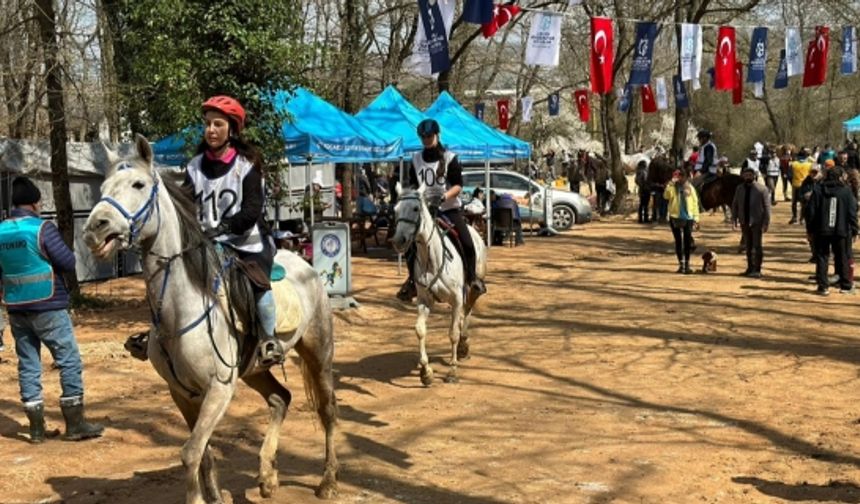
268, 488
452, 378
463, 351
427, 376
226, 497
327, 490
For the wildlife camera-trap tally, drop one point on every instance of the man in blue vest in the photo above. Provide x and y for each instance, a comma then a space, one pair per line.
32, 258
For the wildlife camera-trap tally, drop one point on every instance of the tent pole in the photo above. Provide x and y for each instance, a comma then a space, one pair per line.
488, 204
390, 192
310, 193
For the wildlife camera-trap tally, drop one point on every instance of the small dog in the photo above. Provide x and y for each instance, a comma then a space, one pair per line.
709, 262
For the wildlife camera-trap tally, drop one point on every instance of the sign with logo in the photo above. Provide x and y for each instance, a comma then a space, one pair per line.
640, 70
332, 256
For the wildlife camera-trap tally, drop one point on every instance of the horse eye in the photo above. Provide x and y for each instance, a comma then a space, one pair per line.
138, 185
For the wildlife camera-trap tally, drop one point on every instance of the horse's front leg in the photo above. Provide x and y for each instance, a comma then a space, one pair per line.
454, 337
211, 411
421, 332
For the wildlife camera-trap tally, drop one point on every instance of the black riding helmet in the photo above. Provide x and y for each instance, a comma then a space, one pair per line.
428, 127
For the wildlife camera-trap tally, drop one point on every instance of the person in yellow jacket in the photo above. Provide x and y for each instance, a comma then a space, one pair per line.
683, 217
800, 168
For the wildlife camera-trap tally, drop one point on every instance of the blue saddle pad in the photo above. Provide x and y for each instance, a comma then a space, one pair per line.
278, 273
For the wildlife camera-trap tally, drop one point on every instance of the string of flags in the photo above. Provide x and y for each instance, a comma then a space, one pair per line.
430, 56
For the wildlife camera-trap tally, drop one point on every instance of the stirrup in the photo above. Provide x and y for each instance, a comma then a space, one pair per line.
270, 353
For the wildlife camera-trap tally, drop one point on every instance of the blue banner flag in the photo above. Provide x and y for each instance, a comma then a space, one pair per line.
849, 50
624, 99
479, 111
781, 72
437, 39
758, 55
643, 53
682, 101
478, 11
554, 105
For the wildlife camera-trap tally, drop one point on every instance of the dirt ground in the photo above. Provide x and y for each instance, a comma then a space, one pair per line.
597, 375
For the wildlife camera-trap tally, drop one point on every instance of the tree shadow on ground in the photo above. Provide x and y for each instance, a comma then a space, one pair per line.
834, 491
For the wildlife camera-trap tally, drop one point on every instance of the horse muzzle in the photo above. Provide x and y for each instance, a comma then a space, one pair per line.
103, 238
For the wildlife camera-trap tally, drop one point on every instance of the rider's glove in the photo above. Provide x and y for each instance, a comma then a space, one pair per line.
222, 228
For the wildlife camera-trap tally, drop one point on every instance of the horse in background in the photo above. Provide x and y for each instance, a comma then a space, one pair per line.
197, 344
438, 275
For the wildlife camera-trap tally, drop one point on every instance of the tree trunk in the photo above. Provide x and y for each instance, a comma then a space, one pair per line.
108, 72
57, 118
607, 105
346, 187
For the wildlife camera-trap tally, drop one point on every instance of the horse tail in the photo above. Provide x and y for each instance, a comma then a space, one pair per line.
312, 388
317, 369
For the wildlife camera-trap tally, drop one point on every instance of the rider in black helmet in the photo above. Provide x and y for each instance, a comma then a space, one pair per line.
440, 172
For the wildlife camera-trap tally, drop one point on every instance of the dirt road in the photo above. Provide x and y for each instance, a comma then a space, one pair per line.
598, 375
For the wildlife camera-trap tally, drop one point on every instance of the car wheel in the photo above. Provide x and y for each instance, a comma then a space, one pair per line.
563, 217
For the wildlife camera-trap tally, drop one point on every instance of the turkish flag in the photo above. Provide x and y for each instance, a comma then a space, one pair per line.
815, 71
724, 65
738, 89
502, 14
504, 115
649, 105
601, 55
580, 96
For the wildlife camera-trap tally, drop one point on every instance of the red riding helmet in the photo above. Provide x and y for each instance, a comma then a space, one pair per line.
227, 106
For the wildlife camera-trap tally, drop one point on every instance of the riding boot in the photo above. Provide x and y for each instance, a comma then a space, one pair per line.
77, 428
478, 287
270, 351
36, 416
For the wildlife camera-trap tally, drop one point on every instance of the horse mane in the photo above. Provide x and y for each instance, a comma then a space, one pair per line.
201, 260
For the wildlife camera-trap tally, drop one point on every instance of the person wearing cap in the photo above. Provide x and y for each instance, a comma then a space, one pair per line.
751, 212
312, 200
226, 178
800, 169
33, 257
831, 224
438, 169
683, 203
706, 162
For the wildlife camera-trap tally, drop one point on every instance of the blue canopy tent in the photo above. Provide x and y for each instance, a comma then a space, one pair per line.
391, 114
453, 117
852, 125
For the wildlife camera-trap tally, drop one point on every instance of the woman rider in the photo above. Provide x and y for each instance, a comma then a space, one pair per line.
226, 176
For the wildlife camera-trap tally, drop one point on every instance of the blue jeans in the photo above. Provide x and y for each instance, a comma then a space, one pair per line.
54, 329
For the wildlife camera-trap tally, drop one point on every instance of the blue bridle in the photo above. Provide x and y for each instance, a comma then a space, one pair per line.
138, 219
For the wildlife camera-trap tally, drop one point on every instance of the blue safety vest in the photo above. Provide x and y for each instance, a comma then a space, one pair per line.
27, 275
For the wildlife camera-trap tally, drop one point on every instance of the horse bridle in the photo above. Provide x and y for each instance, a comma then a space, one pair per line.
138, 219
417, 222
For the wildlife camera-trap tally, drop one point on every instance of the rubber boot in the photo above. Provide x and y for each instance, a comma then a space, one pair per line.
270, 351
77, 428
38, 431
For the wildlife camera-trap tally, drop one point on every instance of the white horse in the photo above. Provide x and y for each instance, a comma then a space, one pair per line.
438, 276
195, 345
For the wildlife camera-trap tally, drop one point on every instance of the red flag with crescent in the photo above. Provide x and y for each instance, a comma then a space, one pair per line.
504, 113
580, 96
738, 89
502, 14
815, 71
649, 104
601, 55
724, 64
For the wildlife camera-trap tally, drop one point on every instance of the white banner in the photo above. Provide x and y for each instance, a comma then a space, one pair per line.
691, 52
419, 62
661, 93
793, 52
544, 40
526, 104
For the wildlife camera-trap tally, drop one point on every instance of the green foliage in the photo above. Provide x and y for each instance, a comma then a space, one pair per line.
179, 52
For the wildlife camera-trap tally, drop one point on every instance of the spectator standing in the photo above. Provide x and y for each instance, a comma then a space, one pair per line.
800, 169
33, 253
831, 224
644, 190
683, 203
751, 211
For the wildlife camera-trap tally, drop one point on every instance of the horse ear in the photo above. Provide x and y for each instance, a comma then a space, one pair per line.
112, 159
144, 150
398, 188
421, 189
